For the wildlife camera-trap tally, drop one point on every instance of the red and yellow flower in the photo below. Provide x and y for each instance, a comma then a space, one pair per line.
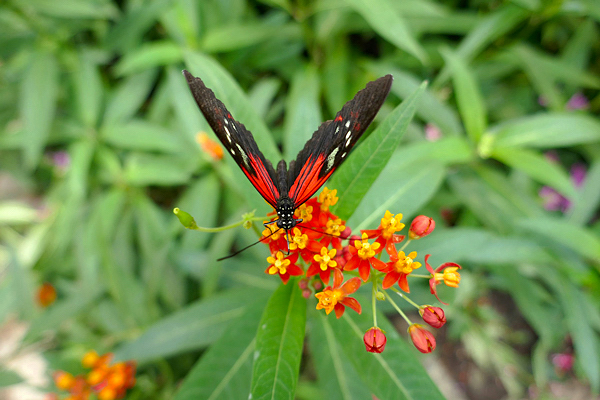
336, 298
398, 268
363, 256
284, 266
450, 276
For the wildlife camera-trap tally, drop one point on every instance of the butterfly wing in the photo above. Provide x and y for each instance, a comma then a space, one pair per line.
330, 144
238, 141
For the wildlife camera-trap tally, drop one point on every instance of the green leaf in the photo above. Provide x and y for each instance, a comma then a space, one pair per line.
128, 97
588, 198
468, 96
394, 374
141, 135
413, 185
430, 108
279, 344
537, 167
73, 9
9, 378
387, 22
576, 238
39, 91
303, 114
547, 131
88, 90
355, 177
585, 339
149, 169
491, 27
335, 372
234, 37
196, 326
224, 371
149, 56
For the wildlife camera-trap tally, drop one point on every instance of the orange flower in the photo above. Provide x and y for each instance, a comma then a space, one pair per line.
398, 268
328, 198
46, 294
421, 338
285, 267
336, 297
323, 264
375, 340
385, 233
450, 276
210, 147
363, 256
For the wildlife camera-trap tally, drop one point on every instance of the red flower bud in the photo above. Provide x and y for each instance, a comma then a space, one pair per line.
375, 340
434, 316
422, 338
421, 226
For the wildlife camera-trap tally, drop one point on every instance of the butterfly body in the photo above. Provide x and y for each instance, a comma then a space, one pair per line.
286, 189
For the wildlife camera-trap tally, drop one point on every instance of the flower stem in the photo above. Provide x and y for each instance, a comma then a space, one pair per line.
408, 321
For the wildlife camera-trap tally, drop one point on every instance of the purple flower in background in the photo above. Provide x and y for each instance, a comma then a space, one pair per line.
61, 161
554, 201
563, 362
578, 102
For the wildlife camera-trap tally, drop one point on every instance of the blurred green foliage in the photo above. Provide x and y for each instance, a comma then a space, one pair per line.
98, 146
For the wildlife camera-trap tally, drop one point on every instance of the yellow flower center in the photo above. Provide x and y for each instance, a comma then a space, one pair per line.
328, 299
299, 240
365, 249
325, 259
304, 213
278, 265
335, 227
406, 264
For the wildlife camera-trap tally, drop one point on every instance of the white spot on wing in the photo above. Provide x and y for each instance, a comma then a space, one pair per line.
228, 134
337, 129
232, 151
348, 142
348, 134
244, 156
226, 122
348, 124
343, 155
331, 158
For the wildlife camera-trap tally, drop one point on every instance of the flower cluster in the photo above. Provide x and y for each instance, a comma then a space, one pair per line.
104, 381
315, 250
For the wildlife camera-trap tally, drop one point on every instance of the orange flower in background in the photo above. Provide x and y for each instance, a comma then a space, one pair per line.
336, 297
363, 256
46, 294
450, 276
422, 338
209, 146
105, 381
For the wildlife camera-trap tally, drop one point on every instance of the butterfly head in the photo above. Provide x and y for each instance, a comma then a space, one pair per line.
285, 214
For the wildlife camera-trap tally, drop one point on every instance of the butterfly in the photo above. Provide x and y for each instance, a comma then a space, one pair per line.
286, 189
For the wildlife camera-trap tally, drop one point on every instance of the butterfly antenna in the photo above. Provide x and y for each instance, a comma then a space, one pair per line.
247, 247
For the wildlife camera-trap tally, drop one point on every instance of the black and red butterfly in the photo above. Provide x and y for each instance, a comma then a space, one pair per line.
287, 189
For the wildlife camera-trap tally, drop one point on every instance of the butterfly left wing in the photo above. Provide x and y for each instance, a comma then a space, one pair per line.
238, 141
330, 144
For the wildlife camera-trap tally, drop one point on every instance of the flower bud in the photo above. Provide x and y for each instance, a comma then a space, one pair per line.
421, 338
375, 340
434, 316
421, 226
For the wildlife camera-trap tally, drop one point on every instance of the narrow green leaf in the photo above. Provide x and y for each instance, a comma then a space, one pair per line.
225, 370
413, 185
128, 97
588, 199
141, 135
263, 93
143, 169
355, 177
150, 55
585, 339
234, 37
15, 213
387, 22
549, 130
394, 374
335, 72
191, 328
537, 167
9, 378
303, 115
430, 107
335, 372
88, 90
576, 238
73, 9
279, 344
468, 96
492, 26
39, 90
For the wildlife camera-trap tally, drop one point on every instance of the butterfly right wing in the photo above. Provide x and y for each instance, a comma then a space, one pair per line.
238, 141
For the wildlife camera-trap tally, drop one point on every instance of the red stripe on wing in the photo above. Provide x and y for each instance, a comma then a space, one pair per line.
308, 181
262, 180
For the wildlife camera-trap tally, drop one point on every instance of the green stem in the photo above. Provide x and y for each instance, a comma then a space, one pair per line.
405, 297
408, 321
373, 300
